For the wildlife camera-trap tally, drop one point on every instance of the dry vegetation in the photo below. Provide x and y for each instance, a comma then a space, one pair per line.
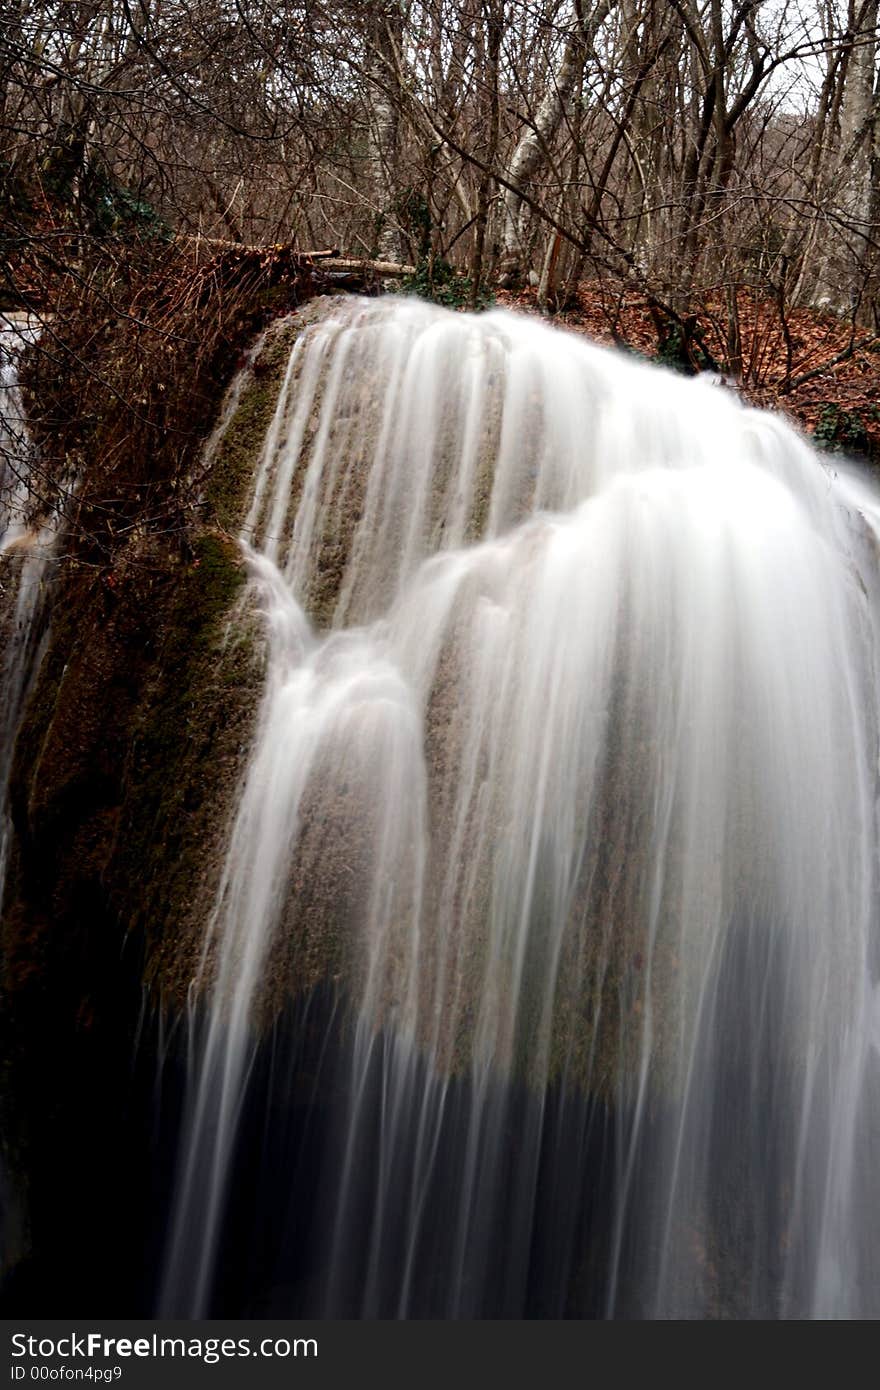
698, 180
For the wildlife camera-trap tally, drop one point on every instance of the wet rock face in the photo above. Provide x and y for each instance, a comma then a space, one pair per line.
129, 747
140, 713
124, 757
127, 744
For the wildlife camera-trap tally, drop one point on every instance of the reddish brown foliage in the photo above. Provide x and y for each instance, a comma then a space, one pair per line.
829, 364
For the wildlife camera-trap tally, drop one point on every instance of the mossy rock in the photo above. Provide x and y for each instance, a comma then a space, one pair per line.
189, 743
130, 745
233, 452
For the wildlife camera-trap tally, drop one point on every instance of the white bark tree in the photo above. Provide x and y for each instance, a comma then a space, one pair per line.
852, 177
532, 148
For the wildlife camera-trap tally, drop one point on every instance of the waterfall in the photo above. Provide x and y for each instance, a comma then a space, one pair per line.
565, 781
25, 543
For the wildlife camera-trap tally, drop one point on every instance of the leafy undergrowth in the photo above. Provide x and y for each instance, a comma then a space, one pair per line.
812, 365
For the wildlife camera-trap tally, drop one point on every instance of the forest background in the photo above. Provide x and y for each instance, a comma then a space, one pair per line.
693, 180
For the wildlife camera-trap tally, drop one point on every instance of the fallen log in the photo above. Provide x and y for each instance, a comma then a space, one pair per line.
328, 260
383, 270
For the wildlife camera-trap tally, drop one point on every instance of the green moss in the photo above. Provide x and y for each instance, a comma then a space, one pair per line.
840, 431
136, 731
187, 747
213, 583
232, 466
436, 280
131, 744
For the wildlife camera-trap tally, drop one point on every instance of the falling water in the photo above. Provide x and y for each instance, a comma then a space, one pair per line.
566, 773
25, 545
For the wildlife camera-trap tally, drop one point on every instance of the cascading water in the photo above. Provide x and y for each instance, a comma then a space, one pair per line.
25, 546
566, 775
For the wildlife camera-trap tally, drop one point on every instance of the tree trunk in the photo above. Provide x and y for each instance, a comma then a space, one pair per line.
531, 151
382, 125
494, 25
847, 256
